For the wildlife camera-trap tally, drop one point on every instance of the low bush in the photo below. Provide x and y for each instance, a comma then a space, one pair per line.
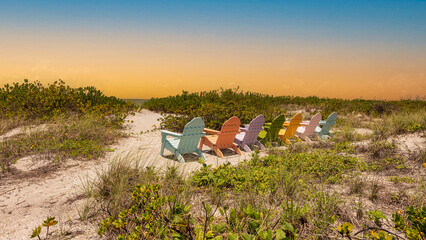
81, 121
35, 101
218, 105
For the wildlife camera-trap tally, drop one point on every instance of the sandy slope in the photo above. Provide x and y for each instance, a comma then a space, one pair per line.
25, 201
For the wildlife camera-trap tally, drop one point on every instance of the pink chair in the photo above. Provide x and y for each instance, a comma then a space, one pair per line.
307, 128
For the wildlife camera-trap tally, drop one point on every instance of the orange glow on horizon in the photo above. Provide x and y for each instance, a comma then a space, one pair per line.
134, 69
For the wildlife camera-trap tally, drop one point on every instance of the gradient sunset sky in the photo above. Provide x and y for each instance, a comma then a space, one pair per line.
142, 49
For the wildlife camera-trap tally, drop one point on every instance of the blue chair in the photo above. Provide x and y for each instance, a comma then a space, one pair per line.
324, 131
185, 142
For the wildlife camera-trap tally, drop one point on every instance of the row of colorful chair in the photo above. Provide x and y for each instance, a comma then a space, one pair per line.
233, 136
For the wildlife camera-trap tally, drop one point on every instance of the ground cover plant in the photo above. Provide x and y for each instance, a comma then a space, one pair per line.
78, 122
285, 195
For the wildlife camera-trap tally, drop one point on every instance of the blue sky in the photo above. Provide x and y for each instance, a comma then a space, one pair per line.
385, 33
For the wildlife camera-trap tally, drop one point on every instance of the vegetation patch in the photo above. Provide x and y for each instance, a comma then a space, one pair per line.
35, 101
81, 121
273, 197
218, 105
400, 123
264, 173
81, 138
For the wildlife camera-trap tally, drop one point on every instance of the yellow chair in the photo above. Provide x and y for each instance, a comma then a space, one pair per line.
290, 129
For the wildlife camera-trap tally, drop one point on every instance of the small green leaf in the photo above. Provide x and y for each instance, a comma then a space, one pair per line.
36, 232
233, 236
50, 221
280, 234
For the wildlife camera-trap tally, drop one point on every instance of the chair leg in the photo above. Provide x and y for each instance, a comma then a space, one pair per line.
246, 148
200, 154
307, 139
201, 144
236, 149
179, 157
261, 146
162, 148
287, 141
218, 152
318, 137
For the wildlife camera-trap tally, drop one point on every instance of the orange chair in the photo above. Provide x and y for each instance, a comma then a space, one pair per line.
224, 138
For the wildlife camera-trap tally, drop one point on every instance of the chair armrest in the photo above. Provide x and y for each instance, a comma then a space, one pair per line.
168, 133
304, 124
243, 129
286, 124
322, 123
211, 131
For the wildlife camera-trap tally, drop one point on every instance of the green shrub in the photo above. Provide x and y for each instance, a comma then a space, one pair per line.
218, 105
413, 224
35, 101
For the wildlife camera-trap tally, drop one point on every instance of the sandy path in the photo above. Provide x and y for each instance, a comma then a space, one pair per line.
25, 203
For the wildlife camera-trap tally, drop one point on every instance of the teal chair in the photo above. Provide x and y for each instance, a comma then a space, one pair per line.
185, 142
323, 131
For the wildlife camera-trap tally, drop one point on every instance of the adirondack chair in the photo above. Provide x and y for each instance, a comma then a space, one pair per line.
307, 128
224, 138
290, 129
185, 142
270, 132
249, 134
324, 131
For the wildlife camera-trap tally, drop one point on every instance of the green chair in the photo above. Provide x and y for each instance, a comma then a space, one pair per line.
271, 130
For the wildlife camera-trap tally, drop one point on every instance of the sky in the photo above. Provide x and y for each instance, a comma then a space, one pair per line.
142, 49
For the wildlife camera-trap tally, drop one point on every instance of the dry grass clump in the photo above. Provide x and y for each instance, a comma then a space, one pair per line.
357, 185
7, 124
75, 137
112, 188
400, 123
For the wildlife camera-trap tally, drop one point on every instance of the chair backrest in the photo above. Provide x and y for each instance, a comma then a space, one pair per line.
227, 133
253, 129
331, 120
276, 126
192, 132
294, 124
309, 130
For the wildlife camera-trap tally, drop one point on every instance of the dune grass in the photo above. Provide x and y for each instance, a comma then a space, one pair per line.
77, 137
80, 122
